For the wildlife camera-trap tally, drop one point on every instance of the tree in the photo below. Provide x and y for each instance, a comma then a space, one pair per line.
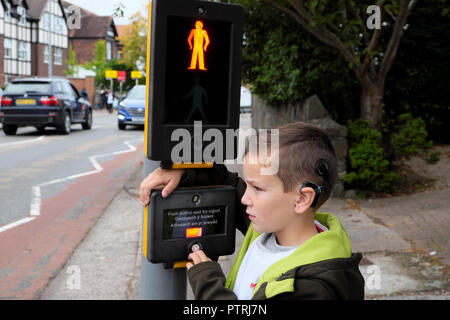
341, 25
134, 41
72, 63
99, 64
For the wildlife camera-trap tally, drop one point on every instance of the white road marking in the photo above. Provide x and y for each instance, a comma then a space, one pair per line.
22, 141
36, 199
16, 223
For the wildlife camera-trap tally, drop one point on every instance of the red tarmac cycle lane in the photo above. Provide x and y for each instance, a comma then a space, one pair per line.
33, 253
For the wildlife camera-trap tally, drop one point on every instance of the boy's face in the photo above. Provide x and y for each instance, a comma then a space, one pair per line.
269, 208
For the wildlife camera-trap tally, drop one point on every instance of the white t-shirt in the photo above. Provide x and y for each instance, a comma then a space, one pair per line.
262, 253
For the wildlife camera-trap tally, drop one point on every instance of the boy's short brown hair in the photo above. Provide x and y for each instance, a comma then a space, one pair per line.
305, 154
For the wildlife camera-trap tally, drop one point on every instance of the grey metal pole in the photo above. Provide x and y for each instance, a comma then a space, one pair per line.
158, 283
50, 49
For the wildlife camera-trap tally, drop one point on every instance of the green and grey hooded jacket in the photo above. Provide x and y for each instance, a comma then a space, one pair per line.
323, 267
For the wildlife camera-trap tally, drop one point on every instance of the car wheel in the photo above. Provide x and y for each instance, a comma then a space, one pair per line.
9, 129
64, 128
88, 124
41, 129
121, 126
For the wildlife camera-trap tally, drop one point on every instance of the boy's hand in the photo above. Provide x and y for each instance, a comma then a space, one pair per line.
196, 257
169, 178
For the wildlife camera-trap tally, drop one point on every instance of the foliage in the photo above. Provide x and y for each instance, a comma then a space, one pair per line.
72, 63
134, 41
409, 137
99, 64
114, 64
283, 64
368, 167
340, 27
418, 81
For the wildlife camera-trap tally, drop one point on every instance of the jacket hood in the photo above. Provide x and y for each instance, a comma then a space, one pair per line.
280, 277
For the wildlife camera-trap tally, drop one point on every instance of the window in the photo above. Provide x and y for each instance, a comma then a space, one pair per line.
7, 45
108, 51
46, 54
20, 87
58, 56
8, 12
46, 21
23, 16
22, 50
58, 25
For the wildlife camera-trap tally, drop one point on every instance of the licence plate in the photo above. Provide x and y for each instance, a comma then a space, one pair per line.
25, 101
137, 120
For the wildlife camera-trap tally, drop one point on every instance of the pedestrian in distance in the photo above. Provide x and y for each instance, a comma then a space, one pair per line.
110, 101
290, 249
104, 98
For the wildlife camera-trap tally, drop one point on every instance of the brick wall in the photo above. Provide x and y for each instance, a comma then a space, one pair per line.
84, 49
40, 69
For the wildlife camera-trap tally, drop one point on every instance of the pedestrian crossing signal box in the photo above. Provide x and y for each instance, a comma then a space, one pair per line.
189, 218
195, 71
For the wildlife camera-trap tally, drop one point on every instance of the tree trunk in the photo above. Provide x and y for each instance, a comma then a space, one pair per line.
372, 102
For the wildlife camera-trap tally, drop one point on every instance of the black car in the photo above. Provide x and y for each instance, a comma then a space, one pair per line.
43, 102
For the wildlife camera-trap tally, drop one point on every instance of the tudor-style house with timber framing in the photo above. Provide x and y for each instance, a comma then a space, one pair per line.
26, 29
29, 29
15, 40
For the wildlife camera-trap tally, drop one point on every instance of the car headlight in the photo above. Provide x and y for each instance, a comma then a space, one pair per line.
120, 117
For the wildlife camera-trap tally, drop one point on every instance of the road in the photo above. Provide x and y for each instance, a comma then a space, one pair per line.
52, 190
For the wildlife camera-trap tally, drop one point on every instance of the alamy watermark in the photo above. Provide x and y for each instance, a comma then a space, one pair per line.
73, 281
260, 150
373, 281
374, 20
73, 17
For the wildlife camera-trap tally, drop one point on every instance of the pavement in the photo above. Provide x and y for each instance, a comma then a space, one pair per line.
404, 241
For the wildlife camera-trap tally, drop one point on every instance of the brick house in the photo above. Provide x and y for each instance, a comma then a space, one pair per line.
49, 26
93, 28
15, 40
26, 28
35, 32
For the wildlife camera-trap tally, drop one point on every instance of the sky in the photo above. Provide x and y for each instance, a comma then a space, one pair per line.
106, 7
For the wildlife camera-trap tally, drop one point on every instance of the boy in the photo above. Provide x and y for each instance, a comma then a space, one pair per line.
290, 251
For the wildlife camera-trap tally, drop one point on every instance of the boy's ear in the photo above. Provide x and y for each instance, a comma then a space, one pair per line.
304, 200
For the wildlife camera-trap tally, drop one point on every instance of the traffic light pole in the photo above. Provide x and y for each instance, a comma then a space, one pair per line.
158, 283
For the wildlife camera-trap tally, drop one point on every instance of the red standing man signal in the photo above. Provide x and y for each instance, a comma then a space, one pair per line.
201, 42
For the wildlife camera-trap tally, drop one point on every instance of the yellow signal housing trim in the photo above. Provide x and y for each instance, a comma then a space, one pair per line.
179, 264
145, 234
147, 80
192, 165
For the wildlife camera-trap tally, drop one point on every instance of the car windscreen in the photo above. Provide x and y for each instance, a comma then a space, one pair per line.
137, 93
28, 87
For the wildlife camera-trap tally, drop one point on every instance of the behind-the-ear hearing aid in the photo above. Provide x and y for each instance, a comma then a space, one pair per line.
317, 189
321, 170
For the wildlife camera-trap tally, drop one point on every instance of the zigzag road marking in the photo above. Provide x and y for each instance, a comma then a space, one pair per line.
36, 199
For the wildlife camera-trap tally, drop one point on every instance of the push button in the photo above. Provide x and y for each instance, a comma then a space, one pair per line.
195, 247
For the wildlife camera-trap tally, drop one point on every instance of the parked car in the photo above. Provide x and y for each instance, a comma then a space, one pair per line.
132, 108
44, 102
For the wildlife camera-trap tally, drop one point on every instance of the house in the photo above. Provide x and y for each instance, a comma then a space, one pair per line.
15, 40
27, 27
94, 28
35, 38
49, 33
